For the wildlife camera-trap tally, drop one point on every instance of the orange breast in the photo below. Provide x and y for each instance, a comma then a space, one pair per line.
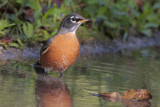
61, 53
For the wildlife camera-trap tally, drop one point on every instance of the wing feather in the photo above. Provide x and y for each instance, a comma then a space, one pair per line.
46, 45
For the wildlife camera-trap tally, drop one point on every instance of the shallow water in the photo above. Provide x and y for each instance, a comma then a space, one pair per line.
20, 86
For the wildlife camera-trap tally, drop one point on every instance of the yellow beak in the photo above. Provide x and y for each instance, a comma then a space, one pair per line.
83, 20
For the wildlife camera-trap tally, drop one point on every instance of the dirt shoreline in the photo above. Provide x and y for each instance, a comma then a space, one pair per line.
91, 48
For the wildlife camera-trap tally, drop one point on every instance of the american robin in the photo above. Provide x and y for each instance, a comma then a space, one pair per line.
61, 50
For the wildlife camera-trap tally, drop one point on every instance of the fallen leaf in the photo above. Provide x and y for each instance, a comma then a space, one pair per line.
129, 94
142, 94
139, 94
111, 95
6, 39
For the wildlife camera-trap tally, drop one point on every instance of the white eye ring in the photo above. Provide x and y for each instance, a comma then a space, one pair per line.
73, 19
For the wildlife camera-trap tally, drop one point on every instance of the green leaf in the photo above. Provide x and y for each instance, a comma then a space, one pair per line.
4, 45
35, 4
13, 44
149, 25
28, 29
147, 32
49, 12
125, 36
5, 23
110, 24
46, 34
25, 28
20, 43
4, 3
2, 34
156, 5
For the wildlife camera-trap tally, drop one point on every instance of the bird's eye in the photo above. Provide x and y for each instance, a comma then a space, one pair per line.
73, 20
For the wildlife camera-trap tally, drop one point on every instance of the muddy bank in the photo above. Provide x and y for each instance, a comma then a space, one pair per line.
90, 48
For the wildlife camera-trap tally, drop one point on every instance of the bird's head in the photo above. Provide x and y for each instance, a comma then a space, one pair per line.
70, 23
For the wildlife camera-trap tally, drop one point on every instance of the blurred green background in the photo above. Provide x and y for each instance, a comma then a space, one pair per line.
33, 21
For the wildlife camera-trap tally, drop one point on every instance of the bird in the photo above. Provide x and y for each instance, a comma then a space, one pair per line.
61, 50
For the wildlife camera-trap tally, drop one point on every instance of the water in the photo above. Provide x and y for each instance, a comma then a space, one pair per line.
20, 86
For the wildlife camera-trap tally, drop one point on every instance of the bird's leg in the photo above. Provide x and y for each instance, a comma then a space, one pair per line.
61, 75
40, 69
46, 70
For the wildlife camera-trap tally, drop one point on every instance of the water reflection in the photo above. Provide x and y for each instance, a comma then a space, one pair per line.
129, 103
20, 86
51, 91
144, 103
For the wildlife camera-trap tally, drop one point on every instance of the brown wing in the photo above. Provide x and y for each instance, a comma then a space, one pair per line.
46, 45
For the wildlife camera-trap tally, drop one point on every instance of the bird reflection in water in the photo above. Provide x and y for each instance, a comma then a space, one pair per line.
51, 92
